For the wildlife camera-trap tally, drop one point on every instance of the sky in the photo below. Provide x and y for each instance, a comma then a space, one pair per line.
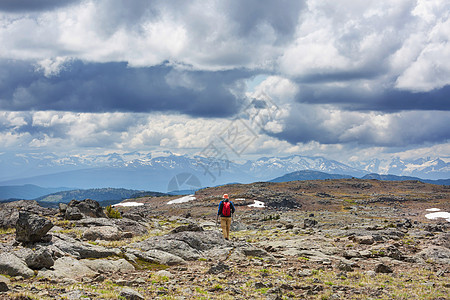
348, 80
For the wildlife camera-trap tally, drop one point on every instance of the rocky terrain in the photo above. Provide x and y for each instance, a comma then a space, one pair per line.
330, 239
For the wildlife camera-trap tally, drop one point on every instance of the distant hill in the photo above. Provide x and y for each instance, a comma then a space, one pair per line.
308, 175
27, 191
404, 178
315, 175
100, 195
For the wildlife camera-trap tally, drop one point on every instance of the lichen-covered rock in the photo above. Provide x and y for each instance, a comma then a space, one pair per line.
77, 210
11, 265
31, 228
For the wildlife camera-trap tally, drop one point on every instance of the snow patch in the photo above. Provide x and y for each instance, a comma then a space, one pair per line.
436, 215
433, 209
239, 199
127, 204
258, 204
182, 199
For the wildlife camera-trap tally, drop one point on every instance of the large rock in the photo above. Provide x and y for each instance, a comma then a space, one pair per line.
11, 265
36, 258
131, 294
106, 233
67, 245
31, 228
86, 208
4, 282
108, 265
435, 254
9, 212
157, 257
67, 268
189, 245
364, 240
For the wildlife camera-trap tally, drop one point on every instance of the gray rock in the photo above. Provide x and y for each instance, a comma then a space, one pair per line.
31, 228
365, 240
9, 212
131, 294
189, 227
67, 268
68, 245
87, 208
73, 213
62, 208
127, 225
309, 223
382, 268
11, 265
164, 273
218, 268
435, 254
345, 267
39, 258
188, 245
108, 265
106, 233
156, 256
253, 251
4, 282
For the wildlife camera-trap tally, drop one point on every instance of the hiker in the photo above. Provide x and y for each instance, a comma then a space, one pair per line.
226, 210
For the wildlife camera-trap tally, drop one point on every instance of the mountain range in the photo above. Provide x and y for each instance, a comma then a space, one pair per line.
165, 172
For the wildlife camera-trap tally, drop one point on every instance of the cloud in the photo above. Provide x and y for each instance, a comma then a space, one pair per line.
107, 87
32, 5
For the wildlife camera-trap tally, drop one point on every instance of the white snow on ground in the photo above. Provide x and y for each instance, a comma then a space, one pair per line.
239, 199
257, 204
182, 199
433, 209
441, 214
128, 204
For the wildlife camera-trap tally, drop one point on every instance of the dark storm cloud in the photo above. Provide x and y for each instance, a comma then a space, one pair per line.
381, 99
33, 5
108, 87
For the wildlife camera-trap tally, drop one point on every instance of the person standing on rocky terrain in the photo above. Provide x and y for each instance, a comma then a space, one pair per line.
226, 211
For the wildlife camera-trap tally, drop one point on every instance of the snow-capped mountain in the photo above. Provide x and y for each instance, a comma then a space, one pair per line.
428, 168
166, 171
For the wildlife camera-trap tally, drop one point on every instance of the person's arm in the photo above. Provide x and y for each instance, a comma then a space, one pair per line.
232, 207
220, 208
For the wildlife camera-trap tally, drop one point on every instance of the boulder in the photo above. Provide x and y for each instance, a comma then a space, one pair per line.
106, 233
108, 265
435, 254
67, 268
157, 257
82, 209
67, 245
73, 213
9, 212
364, 240
188, 245
11, 265
131, 294
382, 268
37, 258
31, 228
4, 282
309, 223
189, 227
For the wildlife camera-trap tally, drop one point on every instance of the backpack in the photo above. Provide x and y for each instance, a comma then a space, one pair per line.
226, 209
